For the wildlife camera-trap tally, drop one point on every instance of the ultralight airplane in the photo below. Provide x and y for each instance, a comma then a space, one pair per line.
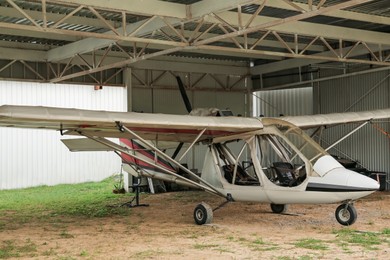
265, 160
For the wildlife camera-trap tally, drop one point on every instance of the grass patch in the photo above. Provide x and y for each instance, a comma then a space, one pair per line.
91, 199
260, 245
367, 240
205, 246
214, 247
147, 254
256, 244
386, 231
9, 249
49, 252
304, 257
65, 234
310, 243
84, 253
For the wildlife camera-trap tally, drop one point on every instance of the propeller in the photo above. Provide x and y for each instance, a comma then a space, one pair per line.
187, 103
184, 96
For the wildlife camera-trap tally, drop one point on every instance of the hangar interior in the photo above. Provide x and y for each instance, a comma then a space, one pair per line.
289, 57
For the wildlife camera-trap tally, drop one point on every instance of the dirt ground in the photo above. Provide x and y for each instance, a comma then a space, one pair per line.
166, 230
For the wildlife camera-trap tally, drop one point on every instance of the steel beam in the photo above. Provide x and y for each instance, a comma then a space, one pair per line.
144, 7
305, 61
341, 14
205, 7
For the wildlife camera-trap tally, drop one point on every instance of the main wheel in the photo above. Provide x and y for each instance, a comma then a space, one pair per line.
203, 214
278, 208
346, 214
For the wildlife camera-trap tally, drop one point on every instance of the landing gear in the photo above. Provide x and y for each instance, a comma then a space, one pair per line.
346, 214
279, 208
203, 214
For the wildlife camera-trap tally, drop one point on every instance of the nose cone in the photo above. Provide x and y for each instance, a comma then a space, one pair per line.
340, 179
360, 182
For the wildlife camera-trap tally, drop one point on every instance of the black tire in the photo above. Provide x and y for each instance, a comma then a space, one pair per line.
203, 214
346, 214
278, 208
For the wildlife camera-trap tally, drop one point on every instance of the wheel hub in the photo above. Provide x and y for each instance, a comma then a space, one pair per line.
199, 214
345, 215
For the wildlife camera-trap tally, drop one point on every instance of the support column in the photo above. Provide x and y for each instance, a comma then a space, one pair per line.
129, 88
127, 177
249, 98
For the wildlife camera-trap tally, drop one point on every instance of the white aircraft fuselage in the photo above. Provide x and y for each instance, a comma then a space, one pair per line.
247, 159
325, 181
280, 165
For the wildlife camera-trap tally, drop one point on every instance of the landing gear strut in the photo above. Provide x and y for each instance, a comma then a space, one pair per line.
346, 214
203, 213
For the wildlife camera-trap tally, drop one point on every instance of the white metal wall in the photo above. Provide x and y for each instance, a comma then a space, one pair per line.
289, 102
37, 157
358, 93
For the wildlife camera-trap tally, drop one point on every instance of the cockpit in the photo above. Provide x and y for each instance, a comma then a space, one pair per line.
286, 153
235, 163
282, 152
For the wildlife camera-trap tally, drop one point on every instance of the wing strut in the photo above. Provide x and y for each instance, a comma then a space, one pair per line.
192, 144
123, 128
347, 135
124, 150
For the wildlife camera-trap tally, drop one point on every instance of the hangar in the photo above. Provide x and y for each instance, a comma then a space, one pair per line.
252, 57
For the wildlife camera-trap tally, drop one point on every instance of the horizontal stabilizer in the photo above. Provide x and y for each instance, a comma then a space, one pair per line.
85, 145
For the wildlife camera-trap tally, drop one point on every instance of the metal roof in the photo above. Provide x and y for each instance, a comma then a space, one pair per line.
215, 30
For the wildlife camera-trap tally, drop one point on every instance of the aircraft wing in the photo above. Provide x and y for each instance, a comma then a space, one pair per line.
311, 121
160, 127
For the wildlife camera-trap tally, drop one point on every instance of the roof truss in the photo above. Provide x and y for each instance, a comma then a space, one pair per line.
138, 32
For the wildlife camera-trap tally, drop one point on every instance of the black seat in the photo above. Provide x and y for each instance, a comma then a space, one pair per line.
242, 177
228, 172
285, 173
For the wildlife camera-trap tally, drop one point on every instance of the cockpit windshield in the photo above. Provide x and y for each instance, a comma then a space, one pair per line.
284, 151
307, 146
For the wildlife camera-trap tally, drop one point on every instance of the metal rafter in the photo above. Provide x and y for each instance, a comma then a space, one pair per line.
160, 8
320, 57
340, 14
115, 65
276, 22
355, 50
236, 27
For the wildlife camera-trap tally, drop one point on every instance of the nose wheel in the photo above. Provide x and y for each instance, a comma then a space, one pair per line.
203, 214
279, 208
346, 214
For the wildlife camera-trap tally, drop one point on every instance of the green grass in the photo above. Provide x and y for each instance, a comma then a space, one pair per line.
9, 249
147, 254
65, 234
310, 243
367, 240
205, 246
386, 231
56, 205
93, 199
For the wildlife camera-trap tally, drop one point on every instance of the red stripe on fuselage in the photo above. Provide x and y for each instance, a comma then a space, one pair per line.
143, 151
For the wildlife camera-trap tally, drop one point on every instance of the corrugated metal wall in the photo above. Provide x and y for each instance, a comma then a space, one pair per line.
38, 157
289, 102
358, 93
368, 91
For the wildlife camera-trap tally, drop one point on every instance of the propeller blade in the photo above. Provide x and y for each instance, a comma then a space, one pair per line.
184, 94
